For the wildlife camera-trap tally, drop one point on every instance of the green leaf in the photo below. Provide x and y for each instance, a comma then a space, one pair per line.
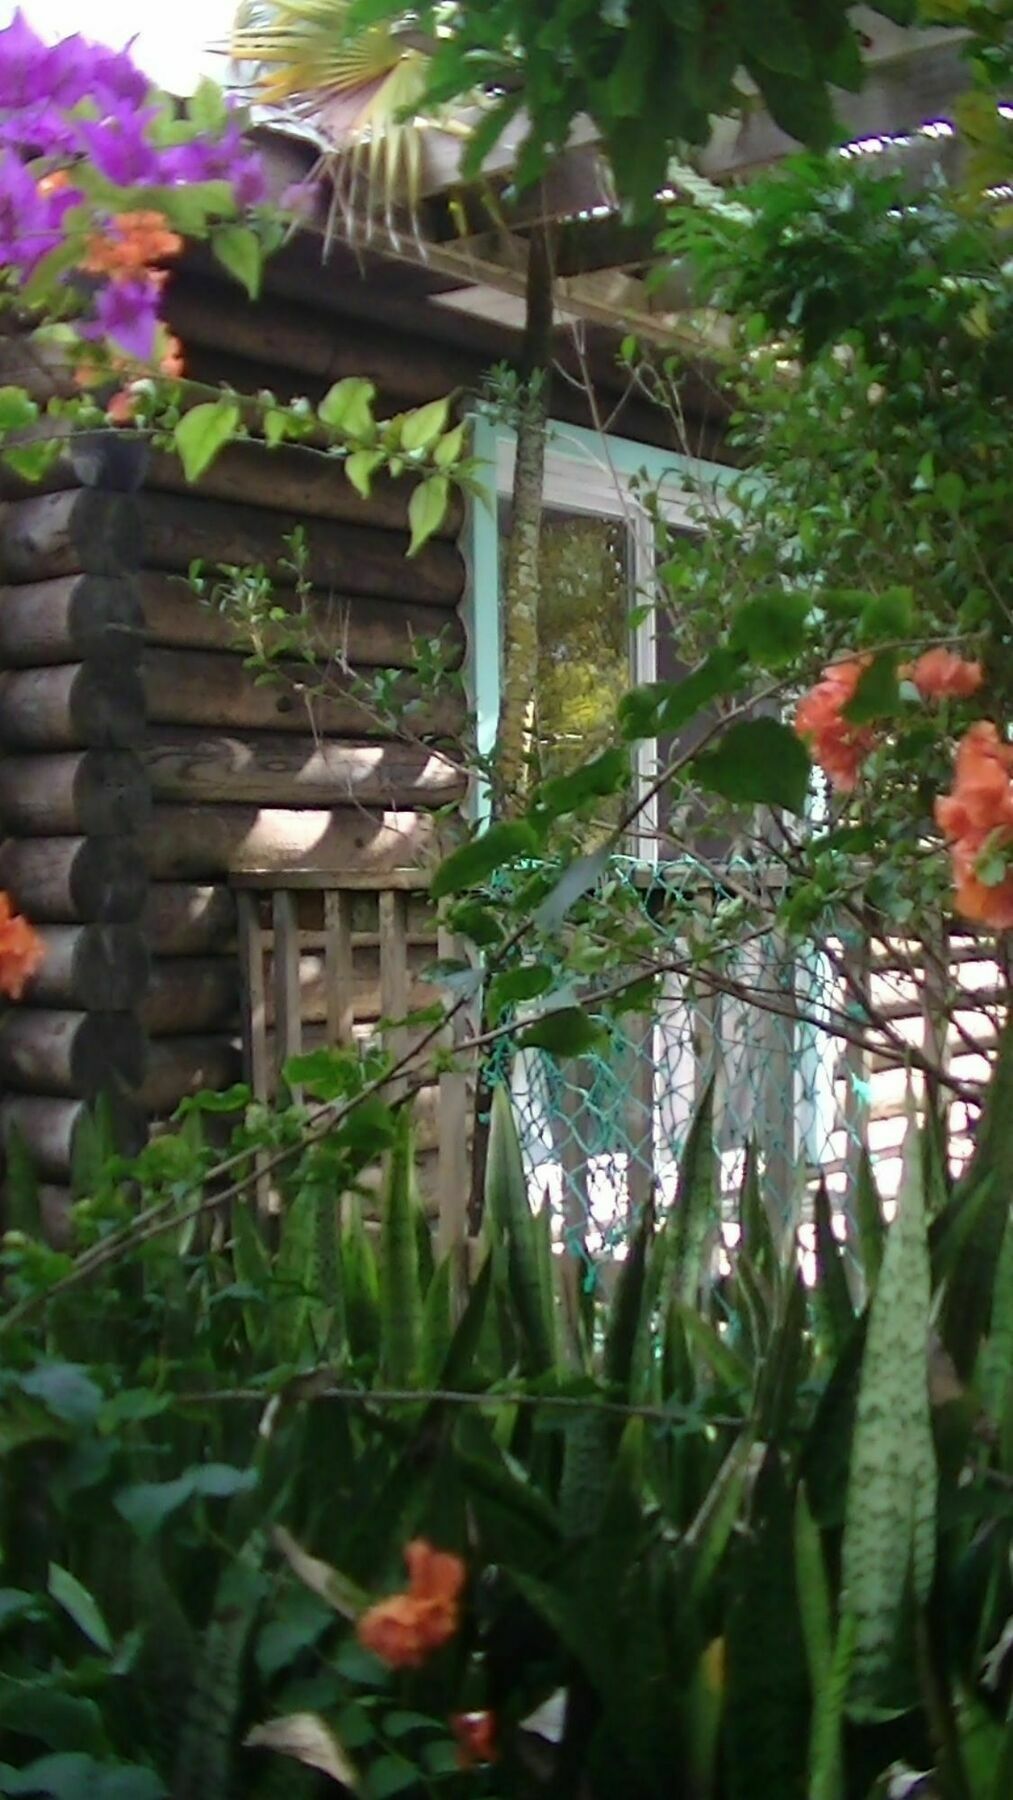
300, 1622
207, 108
147, 1504
485, 853
758, 762
567, 1031
74, 1776
422, 428
666, 706
949, 492
448, 450
693, 1214
770, 630
328, 1583
768, 1689
17, 410
238, 250
76, 1601
868, 1212
427, 510
203, 432
832, 1294
877, 695
391, 1775
65, 1390
515, 985
347, 407
889, 1532
400, 1293
603, 776
360, 468
510, 1216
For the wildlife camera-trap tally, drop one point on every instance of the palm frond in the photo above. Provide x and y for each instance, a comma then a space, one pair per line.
362, 92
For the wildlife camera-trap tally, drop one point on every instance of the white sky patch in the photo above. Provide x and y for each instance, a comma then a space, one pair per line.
174, 37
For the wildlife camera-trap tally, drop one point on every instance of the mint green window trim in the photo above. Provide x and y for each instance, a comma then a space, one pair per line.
602, 467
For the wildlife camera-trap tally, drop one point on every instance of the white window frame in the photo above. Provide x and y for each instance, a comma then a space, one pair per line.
595, 475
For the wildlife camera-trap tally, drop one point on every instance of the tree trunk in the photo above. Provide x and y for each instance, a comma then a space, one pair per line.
520, 613
520, 586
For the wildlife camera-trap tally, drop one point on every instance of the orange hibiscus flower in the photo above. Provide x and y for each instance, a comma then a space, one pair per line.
21, 950
405, 1628
941, 674
838, 746
976, 818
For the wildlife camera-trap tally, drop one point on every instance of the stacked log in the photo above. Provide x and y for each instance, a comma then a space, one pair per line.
73, 793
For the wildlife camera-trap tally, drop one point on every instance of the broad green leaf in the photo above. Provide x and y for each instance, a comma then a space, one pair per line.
207, 108
877, 695
422, 428
995, 1383
771, 629
604, 775
17, 410
514, 985
427, 510
448, 450
238, 250
437, 1321
888, 1554
65, 1390
73, 1776
310, 1740
347, 407
392, 1775
205, 1758
484, 854
299, 1622
81, 1606
360, 468
400, 1292
203, 432
722, 1361
666, 706
147, 1504
567, 1031
758, 762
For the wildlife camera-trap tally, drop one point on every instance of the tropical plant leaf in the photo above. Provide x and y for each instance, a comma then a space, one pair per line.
511, 1218
889, 1532
310, 1740
693, 1213
400, 1291
833, 1297
768, 1686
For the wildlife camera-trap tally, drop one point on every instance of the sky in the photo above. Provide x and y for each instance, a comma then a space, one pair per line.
172, 41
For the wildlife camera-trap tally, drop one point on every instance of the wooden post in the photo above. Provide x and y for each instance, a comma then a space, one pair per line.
394, 973
287, 998
338, 965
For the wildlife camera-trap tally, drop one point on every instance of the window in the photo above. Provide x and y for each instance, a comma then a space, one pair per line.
598, 567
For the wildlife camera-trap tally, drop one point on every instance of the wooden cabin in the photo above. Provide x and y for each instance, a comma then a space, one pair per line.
145, 774
167, 820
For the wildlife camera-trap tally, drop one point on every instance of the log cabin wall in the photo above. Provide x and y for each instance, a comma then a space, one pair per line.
141, 764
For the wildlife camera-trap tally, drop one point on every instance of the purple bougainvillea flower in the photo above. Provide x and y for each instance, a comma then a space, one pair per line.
119, 149
126, 312
249, 180
29, 226
22, 64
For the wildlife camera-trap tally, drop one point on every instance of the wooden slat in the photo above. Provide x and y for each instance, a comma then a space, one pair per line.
253, 1011
287, 1002
339, 966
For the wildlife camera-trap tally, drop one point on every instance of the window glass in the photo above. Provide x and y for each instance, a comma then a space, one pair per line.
584, 650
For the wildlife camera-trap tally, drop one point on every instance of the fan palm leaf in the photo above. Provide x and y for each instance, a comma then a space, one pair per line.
361, 89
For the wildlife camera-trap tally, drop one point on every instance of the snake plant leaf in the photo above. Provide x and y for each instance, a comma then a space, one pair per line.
400, 1291
511, 1219
888, 1553
436, 1323
361, 1284
768, 1682
995, 1379
832, 1296
204, 1764
967, 1302
693, 1212
868, 1213
826, 1773
627, 1306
